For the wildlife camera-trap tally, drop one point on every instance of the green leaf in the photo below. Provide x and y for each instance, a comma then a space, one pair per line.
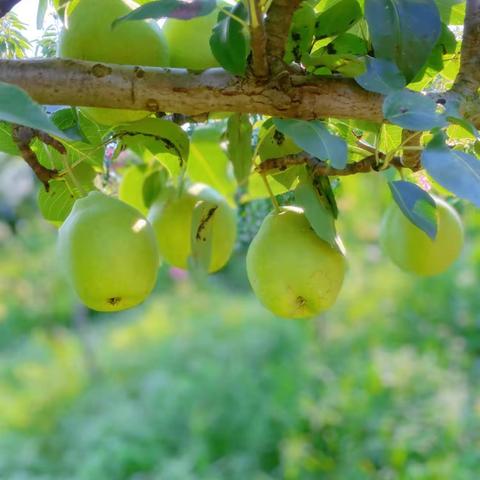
416, 204
66, 119
302, 30
382, 76
458, 172
404, 31
274, 144
201, 235
338, 18
320, 217
316, 140
56, 204
208, 163
154, 186
348, 43
239, 136
7, 145
17, 107
412, 110
279, 183
158, 136
452, 12
181, 9
229, 42
41, 11
461, 128
130, 189
346, 64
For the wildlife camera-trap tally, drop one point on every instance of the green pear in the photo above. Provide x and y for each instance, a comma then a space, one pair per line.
413, 250
88, 35
172, 222
292, 271
109, 252
189, 42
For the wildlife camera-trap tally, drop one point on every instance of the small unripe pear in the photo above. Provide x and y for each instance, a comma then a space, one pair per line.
292, 271
89, 35
413, 250
109, 253
172, 222
189, 42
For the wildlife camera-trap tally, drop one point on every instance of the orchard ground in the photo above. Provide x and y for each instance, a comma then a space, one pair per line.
203, 383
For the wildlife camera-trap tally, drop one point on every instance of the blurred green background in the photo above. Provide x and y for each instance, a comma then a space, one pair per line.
201, 382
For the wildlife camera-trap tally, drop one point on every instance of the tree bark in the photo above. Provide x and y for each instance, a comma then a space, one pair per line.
90, 84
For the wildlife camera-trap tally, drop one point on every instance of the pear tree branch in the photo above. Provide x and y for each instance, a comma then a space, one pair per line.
277, 26
319, 167
468, 78
23, 137
258, 40
92, 84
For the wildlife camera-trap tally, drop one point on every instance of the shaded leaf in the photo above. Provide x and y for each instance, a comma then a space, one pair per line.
338, 18
416, 204
458, 172
229, 42
412, 110
17, 107
239, 136
404, 31
321, 218
316, 140
201, 236
382, 76
159, 136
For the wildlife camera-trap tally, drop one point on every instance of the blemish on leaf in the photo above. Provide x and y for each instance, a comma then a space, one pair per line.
279, 137
204, 222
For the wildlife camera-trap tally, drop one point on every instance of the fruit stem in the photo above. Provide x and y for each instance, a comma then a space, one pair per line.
273, 198
232, 15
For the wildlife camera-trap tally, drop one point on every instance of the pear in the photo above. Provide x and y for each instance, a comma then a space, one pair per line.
109, 253
172, 221
292, 271
88, 35
411, 249
189, 42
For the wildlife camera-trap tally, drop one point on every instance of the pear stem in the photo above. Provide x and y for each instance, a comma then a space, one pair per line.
273, 198
232, 15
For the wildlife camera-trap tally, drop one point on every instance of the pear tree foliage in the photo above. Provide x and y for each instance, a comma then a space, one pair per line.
418, 57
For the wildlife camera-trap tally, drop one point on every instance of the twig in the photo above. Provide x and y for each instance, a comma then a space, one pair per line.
319, 167
411, 156
258, 40
468, 78
23, 137
6, 6
277, 26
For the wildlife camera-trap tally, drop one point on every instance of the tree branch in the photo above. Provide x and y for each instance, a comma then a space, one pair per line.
277, 27
468, 78
411, 158
258, 40
6, 6
23, 137
89, 84
367, 164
